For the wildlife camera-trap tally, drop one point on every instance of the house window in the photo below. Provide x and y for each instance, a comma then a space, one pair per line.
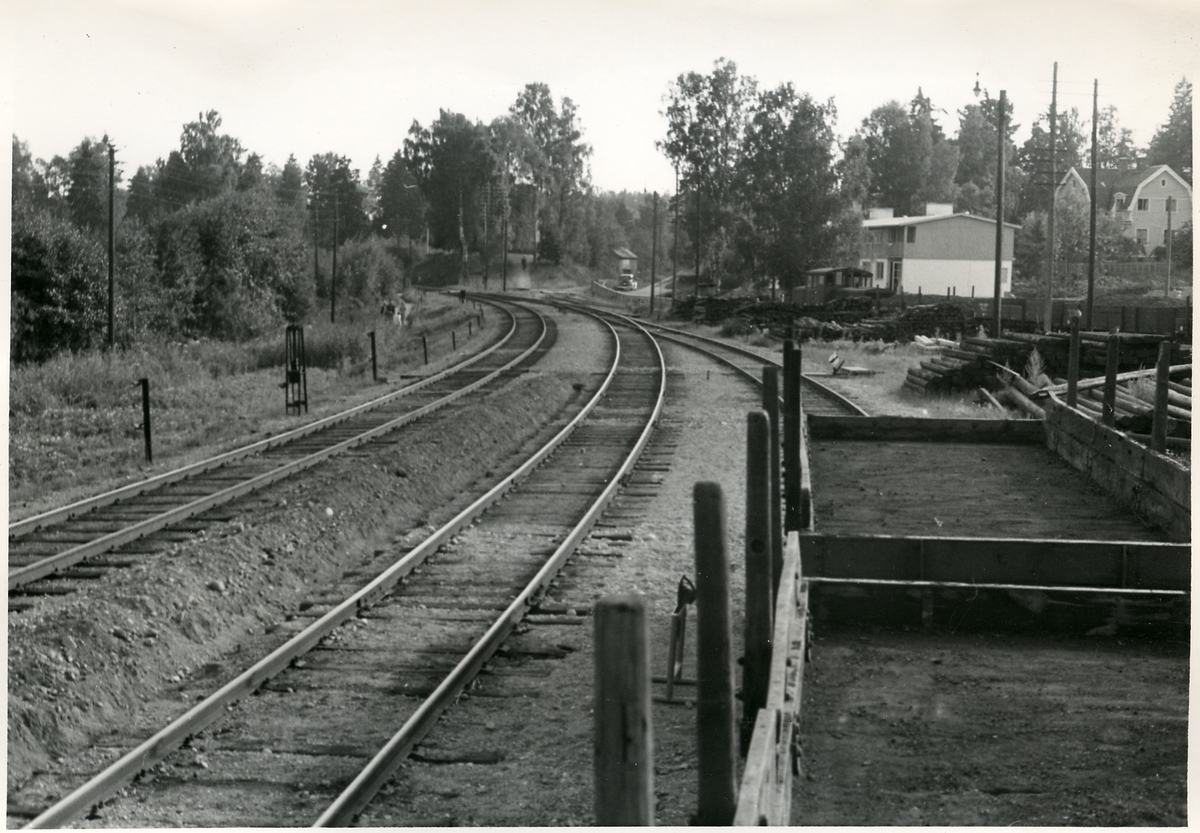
911, 233
894, 235
1143, 204
1142, 236
1120, 204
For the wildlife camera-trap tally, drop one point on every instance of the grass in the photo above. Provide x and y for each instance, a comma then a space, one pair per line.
75, 421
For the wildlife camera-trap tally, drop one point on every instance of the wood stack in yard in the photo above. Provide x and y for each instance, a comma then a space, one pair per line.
973, 363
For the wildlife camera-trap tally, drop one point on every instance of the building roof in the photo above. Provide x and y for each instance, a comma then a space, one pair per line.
890, 222
1109, 183
622, 252
853, 271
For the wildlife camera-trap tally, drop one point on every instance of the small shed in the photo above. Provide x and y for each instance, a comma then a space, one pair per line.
626, 262
817, 286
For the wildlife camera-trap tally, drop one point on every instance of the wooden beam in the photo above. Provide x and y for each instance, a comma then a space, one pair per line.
897, 428
1098, 381
1136, 565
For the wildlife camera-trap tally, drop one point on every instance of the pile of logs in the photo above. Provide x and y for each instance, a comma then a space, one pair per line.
967, 366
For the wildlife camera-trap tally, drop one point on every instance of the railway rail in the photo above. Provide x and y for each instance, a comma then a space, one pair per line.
396, 651
47, 548
817, 398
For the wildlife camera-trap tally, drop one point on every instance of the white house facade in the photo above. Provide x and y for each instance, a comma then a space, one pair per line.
939, 253
1139, 199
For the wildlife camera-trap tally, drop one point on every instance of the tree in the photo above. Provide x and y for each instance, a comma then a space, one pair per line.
87, 186
1114, 144
789, 182
207, 164
1172, 144
450, 160
401, 205
1033, 158
977, 143
58, 279
289, 187
706, 121
336, 198
559, 170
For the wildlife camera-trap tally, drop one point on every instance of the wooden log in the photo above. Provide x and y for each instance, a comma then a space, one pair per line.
914, 388
926, 375
917, 381
756, 664
987, 395
1098, 381
1177, 387
624, 758
716, 751
963, 355
1021, 401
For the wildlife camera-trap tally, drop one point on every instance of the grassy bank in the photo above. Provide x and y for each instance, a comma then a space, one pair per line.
75, 421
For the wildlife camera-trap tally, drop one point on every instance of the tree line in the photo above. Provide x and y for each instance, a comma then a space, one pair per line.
771, 192
212, 242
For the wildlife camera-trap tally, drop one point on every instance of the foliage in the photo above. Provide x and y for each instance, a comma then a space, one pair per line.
59, 275
1172, 144
336, 200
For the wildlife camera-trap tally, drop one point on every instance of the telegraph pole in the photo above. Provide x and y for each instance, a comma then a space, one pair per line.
1170, 206
654, 250
333, 275
675, 243
1092, 220
697, 293
112, 237
1053, 201
999, 211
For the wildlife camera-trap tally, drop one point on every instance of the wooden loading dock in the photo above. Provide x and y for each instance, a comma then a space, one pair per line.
997, 640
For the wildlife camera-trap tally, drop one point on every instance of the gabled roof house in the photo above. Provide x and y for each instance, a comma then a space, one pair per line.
1137, 198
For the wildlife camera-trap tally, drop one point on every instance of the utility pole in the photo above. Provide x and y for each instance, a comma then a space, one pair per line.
999, 211
697, 294
654, 251
487, 210
1092, 220
333, 276
1053, 200
316, 238
1170, 207
675, 243
112, 238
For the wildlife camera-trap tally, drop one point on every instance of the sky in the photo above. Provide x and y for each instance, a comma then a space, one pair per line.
312, 76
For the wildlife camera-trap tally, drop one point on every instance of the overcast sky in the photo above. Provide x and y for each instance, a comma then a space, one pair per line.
310, 76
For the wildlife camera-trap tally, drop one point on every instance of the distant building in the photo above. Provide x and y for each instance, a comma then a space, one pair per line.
1137, 198
936, 253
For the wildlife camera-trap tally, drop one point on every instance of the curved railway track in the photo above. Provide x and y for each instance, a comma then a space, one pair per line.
45, 549
395, 652
816, 398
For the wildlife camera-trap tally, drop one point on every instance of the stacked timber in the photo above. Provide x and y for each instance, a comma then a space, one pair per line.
956, 368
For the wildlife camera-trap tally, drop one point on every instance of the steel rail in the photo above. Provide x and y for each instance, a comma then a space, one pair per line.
62, 513
106, 783
358, 794
51, 564
680, 337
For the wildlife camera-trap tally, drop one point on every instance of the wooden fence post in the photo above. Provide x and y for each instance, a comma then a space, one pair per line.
624, 763
1073, 363
771, 406
1162, 378
716, 752
791, 436
756, 662
1109, 414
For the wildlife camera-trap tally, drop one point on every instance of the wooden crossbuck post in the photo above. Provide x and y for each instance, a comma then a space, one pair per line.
1109, 414
771, 406
756, 664
624, 763
716, 751
1162, 379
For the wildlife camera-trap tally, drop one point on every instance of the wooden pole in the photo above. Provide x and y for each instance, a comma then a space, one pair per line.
791, 437
771, 406
1162, 379
716, 753
624, 761
756, 665
1091, 292
1073, 363
1053, 196
653, 253
112, 247
999, 211
1109, 415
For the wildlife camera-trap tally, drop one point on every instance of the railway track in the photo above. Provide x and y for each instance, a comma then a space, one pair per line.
50, 552
395, 652
816, 398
